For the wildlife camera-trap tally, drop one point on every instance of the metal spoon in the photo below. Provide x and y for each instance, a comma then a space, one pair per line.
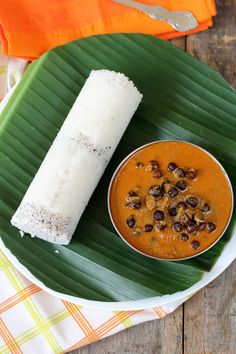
182, 21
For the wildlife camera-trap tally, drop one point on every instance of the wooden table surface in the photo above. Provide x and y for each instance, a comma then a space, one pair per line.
206, 324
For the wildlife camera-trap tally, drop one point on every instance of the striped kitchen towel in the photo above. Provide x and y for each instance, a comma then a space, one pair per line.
33, 321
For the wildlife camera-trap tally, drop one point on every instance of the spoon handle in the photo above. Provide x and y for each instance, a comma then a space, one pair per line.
180, 20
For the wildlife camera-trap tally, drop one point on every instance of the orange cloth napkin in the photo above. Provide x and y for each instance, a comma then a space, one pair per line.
30, 27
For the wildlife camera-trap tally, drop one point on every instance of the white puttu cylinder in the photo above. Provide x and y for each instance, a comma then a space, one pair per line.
73, 166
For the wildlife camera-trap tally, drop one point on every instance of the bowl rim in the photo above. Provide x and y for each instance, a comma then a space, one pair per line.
169, 141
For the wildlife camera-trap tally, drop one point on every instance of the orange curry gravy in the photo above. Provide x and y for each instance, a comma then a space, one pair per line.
158, 235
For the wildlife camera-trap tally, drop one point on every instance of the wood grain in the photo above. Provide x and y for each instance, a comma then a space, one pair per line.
217, 46
180, 42
210, 316
206, 324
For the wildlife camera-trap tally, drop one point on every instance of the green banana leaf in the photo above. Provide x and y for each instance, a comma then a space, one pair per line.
183, 99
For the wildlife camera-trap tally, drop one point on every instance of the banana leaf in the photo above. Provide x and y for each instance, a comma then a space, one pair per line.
183, 99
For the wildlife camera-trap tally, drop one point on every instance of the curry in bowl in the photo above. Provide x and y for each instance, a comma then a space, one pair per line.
170, 200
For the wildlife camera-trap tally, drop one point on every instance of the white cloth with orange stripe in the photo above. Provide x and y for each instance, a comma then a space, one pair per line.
31, 320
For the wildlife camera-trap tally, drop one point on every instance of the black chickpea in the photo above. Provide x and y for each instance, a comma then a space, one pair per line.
169, 206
